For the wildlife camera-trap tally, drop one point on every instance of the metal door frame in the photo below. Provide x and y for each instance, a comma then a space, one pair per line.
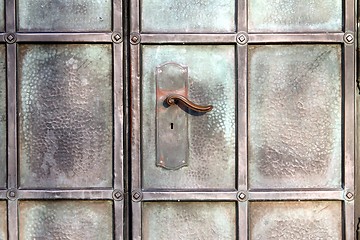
241, 38
14, 193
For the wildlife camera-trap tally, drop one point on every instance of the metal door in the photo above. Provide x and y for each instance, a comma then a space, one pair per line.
274, 157
62, 117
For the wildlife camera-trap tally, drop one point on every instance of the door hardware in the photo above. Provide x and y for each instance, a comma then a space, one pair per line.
176, 98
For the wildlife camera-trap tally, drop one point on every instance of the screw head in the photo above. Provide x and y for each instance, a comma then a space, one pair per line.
117, 37
11, 194
349, 195
10, 38
136, 196
349, 38
135, 38
241, 196
118, 195
242, 38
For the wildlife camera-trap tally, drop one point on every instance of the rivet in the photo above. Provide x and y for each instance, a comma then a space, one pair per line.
118, 195
242, 38
116, 37
10, 38
137, 196
241, 196
135, 38
349, 195
11, 194
348, 38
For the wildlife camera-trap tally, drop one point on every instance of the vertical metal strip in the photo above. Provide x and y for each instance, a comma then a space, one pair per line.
349, 222
243, 225
134, 15
135, 142
13, 220
350, 15
349, 132
117, 16
242, 16
11, 118
10, 17
119, 220
242, 52
118, 116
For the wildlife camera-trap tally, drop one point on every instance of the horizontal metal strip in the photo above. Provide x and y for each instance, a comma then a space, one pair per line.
64, 194
297, 195
2, 37
305, 37
3, 194
231, 38
64, 37
189, 196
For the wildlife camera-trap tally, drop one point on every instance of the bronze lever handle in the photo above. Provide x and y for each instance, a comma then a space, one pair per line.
172, 99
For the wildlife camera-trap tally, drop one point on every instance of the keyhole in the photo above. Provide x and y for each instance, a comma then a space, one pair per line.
172, 126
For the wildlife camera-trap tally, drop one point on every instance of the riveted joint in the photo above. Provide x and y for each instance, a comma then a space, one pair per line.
242, 38
135, 38
349, 38
349, 196
10, 38
136, 196
116, 37
242, 196
12, 194
118, 195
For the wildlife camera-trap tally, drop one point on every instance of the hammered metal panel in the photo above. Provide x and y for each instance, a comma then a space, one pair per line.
295, 16
76, 220
64, 15
3, 126
188, 16
295, 116
3, 220
211, 135
195, 220
295, 220
2, 16
65, 115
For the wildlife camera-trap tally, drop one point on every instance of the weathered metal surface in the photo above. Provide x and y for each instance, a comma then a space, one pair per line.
172, 138
3, 117
195, 220
64, 15
295, 121
77, 220
3, 220
211, 135
296, 220
295, 16
188, 16
65, 115
2, 16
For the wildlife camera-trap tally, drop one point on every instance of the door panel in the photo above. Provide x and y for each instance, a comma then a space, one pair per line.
295, 16
55, 220
60, 16
65, 109
188, 16
295, 116
3, 220
295, 220
195, 220
64, 105
287, 100
211, 136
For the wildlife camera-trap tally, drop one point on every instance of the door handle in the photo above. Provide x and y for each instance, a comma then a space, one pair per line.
173, 99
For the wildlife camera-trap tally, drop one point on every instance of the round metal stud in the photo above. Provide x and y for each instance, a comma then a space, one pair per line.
135, 38
349, 38
10, 38
11, 194
117, 37
136, 196
349, 196
241, 196
242, 38
118, 195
